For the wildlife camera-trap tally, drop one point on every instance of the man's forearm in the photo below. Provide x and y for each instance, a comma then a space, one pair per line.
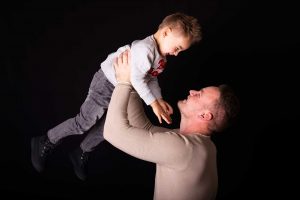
116, 118
136, 113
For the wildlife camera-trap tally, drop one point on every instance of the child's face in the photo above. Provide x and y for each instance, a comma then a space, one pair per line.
173, 43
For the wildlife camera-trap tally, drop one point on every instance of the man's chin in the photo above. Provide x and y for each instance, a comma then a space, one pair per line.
179, 103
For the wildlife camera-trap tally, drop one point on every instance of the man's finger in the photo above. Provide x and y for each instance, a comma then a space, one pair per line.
120, 59
128, 57
125, 57
115, 62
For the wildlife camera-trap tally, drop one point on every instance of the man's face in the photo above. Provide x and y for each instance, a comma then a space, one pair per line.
199, 100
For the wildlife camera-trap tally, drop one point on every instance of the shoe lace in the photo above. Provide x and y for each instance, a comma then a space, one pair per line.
47, 148
84, 157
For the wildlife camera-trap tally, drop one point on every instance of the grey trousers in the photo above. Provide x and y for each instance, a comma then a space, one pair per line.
91, 117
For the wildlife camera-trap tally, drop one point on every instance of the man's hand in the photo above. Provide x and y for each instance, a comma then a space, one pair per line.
160, 112
122, 67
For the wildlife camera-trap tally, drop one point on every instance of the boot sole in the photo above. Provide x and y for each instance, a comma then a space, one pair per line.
36, 166
78, 174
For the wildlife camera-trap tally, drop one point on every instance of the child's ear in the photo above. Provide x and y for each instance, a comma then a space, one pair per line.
167, 31
164, 33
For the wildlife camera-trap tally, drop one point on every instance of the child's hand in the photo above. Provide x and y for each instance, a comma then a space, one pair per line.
165, 106
160, 112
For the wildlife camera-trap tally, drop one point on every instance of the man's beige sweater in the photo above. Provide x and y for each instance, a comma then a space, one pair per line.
186, 167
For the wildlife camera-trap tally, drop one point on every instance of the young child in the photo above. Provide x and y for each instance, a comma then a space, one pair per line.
176, 33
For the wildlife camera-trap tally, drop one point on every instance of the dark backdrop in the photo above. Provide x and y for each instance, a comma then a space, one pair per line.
51, 49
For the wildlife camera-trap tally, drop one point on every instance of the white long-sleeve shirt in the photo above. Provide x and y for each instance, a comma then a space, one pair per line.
186, 166
146, 64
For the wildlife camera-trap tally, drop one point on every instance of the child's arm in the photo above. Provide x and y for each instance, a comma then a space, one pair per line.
162, 110
147, 86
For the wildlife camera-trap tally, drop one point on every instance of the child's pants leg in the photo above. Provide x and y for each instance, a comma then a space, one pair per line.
93, 108
94, 136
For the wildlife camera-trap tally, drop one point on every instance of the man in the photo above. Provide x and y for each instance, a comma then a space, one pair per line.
185, 158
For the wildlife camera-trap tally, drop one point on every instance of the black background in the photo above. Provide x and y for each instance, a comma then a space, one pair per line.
51, 49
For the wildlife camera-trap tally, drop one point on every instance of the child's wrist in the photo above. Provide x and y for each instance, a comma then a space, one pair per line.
154, 103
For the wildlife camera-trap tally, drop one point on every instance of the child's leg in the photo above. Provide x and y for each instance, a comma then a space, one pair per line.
93, 108
94, 136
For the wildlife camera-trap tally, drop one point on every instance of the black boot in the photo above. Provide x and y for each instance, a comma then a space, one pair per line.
79, 160
41, 147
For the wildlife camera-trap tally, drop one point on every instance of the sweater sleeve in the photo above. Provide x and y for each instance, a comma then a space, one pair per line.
155, 88
137, 116
141, 62
145, 142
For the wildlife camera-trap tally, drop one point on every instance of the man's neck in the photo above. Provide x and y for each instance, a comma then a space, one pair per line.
188, 127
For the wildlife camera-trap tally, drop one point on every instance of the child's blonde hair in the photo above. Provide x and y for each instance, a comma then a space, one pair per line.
188, 24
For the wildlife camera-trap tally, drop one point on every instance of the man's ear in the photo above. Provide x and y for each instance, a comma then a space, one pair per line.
205, 116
